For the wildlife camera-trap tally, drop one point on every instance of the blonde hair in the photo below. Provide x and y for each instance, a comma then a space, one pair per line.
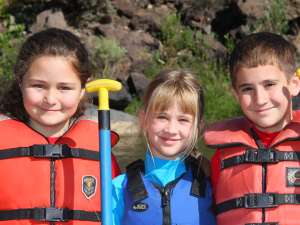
182, 87
261, 49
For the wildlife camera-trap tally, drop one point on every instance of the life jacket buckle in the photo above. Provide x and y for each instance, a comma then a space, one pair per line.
50, 214
261, 156
50, 151
260, 200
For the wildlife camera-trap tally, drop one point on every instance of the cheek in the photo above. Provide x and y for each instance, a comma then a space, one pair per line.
244, 101
70, 101
31, 97
186, 130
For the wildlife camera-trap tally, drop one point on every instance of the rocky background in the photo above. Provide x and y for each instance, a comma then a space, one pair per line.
131, 40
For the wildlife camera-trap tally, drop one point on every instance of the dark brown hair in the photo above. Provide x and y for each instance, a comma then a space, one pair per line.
260, 49
50, 42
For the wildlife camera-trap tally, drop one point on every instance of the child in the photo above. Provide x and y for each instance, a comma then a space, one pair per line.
49, 164
169, 187
255, 170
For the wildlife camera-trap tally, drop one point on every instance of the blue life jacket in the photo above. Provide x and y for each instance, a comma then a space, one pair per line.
184, 201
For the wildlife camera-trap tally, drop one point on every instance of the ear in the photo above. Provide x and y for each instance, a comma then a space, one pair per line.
234, 93
294, 85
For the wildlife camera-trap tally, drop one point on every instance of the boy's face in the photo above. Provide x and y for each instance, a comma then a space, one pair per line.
264, 94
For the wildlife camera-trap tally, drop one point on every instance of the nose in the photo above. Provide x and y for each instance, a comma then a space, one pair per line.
261, 96
50, 98
171, 127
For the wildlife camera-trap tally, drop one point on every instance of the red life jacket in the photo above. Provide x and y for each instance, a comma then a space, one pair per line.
50, 184
256, 185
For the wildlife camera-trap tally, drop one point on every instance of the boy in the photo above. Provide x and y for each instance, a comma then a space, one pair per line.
256, 168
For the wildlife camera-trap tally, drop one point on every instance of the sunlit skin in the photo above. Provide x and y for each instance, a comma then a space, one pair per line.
264, 94
51, 92
168, 132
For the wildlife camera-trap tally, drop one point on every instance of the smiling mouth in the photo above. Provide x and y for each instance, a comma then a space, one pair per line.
263, 110
50, 110
169, 139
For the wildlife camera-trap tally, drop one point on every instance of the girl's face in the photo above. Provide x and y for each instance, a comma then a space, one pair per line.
51, 92
168, 132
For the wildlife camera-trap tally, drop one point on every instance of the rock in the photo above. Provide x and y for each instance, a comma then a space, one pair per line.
49, 18
137, 83
253, 8
122, 123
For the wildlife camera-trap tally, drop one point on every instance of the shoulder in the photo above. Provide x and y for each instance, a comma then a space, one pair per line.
233, 124
4, 117
229, 132
91, 114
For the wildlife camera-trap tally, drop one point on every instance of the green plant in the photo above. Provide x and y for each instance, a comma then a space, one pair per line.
10, 41
107, 53
134, 106
275, 19
187, 49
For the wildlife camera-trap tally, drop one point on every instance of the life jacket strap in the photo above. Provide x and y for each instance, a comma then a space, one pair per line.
135, 184
272, 223
49, 214
258, 200
199, 177
260, 156
54, 151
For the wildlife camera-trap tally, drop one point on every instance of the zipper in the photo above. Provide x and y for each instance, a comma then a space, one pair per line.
166, 207
166, 200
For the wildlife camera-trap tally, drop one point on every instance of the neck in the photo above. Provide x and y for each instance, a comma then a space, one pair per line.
50, 131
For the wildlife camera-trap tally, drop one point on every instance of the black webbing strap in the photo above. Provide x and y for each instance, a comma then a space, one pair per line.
57, 151
49, 214
199, 178
258, 200
135, 183
269, 223
260, 156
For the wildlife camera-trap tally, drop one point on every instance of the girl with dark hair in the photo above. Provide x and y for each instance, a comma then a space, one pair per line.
45, 132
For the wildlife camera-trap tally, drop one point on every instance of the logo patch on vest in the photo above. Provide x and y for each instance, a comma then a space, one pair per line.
140, 207
89, 185
293, 177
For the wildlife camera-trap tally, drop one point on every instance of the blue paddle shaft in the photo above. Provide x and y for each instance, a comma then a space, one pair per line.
106, 177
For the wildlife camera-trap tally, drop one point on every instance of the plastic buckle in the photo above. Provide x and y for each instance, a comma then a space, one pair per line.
260, 200
49, 151
54, 215
50, 214
261, 156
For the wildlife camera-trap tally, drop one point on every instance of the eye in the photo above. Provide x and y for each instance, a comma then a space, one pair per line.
270, 84
246, 89
65, 88
37, 86
185, 120
161, 117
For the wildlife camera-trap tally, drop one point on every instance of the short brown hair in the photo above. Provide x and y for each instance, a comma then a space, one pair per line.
260, 49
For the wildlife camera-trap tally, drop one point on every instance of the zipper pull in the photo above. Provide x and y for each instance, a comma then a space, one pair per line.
165, 197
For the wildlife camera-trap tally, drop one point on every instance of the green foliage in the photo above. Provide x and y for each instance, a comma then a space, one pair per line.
275, 19
10, 41
134, 106
107, 52
185, 48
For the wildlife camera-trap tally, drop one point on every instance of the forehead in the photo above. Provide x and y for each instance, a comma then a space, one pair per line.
52, 67
259, 74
